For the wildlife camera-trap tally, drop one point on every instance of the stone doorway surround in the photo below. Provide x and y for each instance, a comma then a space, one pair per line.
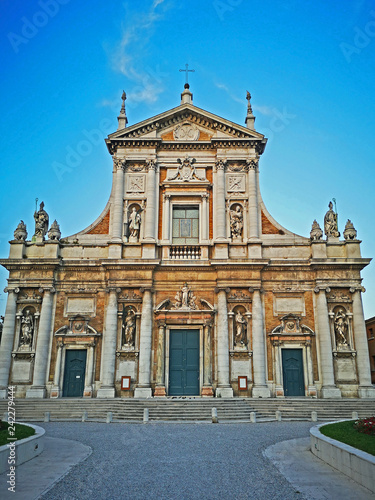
291, 334
169, 317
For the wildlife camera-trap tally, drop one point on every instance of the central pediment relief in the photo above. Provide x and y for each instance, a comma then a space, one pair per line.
185, 300
186, 123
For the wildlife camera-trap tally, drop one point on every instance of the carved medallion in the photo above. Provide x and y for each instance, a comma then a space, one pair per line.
186, 132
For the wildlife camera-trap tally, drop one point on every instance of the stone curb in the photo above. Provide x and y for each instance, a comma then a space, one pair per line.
354, 463
24, 449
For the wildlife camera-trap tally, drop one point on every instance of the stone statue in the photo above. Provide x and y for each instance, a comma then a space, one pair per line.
341, 327
41, 221
54, 233
316, 233
236, 222
330, 222
20, 233
185, 299
134, 224
1, 326
128, 328
27, 329
349, 232
240, 337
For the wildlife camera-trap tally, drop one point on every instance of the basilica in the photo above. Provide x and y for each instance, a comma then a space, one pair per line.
185, 285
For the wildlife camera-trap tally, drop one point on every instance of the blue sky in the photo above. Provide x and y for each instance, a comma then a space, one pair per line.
309, 65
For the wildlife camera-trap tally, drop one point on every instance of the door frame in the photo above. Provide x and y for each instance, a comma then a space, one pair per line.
295, 348
198, 328
63, 372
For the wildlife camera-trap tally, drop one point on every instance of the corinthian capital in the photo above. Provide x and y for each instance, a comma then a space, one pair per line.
220, 164
152, 164
252, 163
119, 163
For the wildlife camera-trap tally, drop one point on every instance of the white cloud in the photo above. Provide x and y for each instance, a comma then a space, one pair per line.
126, 56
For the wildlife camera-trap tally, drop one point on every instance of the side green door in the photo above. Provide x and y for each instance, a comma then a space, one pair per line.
184, 363
293, 372
74, 373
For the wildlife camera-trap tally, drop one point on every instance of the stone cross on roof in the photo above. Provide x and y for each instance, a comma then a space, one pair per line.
187, 73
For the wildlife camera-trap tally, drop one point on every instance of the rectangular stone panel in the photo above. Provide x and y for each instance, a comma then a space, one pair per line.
80, 305
285, 305
21, 371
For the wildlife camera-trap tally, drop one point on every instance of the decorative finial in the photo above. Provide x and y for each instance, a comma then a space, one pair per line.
250, 118
316, 233
349, 232
122, 119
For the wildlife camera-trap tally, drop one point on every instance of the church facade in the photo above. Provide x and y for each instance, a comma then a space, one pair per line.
185, 285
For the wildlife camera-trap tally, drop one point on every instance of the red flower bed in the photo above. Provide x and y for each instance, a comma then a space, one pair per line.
365, 425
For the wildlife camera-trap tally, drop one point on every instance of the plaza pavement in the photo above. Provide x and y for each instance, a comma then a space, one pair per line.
97, 461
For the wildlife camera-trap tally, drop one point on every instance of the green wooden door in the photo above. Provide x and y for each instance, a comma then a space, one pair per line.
293, 372
184, 363
74, 374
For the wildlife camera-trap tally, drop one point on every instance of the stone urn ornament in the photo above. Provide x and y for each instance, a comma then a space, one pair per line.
20, 234
54, 232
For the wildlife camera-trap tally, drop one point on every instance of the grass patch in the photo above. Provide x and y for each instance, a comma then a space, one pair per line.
346, 433
22, 432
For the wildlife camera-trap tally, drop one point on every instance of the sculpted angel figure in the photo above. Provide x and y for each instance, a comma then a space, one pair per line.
236, 222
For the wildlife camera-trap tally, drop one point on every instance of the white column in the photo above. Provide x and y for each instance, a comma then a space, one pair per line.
329, 390
55, 391
166, 220
219, 197
204, 217
160, 373
118, 205
278, 372
207, 361
260, 388
107, 375
7, 340
87, 393
365, 389
38, 388
143, 389
253, 200
151, 201
224, 389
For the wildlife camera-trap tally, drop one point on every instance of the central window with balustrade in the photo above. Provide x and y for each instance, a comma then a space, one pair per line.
185, 225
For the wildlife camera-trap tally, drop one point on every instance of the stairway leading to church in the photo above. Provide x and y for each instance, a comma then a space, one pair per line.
188, 410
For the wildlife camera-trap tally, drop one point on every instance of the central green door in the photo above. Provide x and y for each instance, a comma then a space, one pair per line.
293, 372
74, 374
184, 363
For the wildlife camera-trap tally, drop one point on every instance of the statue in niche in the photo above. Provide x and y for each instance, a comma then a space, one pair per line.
1, 326
341, 327
27, 329
20, 233
330, 222
240, 337
54, 233
41, 221
128, 328
236, 222
185, 299
350, 232
316, 233
134, 224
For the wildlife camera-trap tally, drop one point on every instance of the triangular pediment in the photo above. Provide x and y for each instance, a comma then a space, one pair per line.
185, 123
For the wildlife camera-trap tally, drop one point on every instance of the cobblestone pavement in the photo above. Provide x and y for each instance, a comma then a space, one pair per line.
175, 461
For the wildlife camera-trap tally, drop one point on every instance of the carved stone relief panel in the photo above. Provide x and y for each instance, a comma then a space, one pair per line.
135, 183
236, 183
